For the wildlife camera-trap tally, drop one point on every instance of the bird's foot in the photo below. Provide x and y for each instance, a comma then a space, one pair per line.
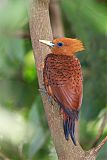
43, 91
50, 99
40, 66
61, 112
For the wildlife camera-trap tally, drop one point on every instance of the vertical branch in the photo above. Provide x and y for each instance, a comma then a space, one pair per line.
40, 29
55, 17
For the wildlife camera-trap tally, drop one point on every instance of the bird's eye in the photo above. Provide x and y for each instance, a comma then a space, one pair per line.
60, 44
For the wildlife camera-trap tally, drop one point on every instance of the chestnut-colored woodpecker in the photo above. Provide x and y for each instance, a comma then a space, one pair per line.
63, 80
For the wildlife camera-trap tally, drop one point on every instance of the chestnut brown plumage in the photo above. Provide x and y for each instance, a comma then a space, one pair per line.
63, 80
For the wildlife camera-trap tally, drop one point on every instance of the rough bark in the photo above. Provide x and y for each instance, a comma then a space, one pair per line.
40, 28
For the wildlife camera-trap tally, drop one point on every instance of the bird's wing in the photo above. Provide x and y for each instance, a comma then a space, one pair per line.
67, 96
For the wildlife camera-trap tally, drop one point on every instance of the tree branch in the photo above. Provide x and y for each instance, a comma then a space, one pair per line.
95, 150
40, 29
19, 34
55, 17
16, 34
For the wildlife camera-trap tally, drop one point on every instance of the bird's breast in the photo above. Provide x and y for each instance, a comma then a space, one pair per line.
61, 69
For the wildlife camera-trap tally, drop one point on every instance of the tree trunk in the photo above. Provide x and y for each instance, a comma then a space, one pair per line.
40, 28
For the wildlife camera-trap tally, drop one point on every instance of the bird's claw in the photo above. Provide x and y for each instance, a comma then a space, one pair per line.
50, 99
42, 91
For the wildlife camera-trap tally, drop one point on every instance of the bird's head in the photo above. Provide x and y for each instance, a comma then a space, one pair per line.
64, 46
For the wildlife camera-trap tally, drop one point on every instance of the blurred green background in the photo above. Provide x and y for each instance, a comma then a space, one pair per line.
24, 133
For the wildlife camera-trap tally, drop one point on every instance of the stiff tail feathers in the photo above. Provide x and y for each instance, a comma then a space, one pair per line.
69, 128
69, 117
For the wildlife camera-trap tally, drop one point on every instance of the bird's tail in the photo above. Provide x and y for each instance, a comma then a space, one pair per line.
69, 127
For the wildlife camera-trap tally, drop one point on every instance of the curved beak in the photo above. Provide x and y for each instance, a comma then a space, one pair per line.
48, 43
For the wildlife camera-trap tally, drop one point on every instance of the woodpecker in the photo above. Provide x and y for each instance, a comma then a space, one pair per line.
63, 79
